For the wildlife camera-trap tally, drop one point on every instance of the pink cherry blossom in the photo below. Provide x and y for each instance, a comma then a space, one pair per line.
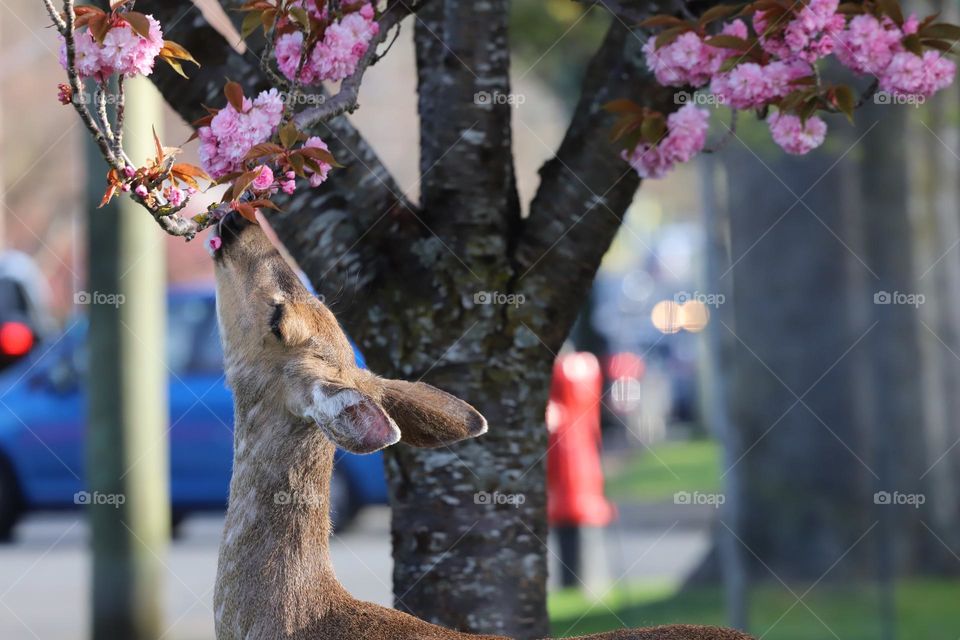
87, 54
230, 135
123, 51
264, 179
213, 244
743, 87
714, 57
686, 136
64, 93
912, 75
316, 179
288, 186
679, 62
141, 191
811, 34
336, 56
750, 85
868, 45
793, 135
287, 52
175, 197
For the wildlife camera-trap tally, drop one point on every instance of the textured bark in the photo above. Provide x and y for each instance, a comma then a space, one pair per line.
403, 281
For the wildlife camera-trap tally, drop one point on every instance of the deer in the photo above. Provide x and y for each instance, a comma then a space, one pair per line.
298, 395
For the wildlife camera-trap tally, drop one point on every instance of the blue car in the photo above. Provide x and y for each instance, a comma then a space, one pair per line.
43, 420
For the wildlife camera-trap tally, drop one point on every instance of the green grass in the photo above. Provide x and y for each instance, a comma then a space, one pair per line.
926, 610
656, 474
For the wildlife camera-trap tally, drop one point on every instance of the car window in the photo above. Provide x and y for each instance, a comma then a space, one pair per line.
193, 345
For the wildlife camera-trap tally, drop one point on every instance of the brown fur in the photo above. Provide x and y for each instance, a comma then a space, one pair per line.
290, 366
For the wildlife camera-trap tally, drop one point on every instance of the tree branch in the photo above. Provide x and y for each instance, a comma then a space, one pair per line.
584, 190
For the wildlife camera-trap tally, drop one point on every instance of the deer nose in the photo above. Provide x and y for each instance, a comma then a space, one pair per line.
231, 226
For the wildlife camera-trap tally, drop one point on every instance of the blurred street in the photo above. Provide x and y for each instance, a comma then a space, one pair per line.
44, 594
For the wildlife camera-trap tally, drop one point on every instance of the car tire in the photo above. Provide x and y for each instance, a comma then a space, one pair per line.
343, 507
176, 524
10, 500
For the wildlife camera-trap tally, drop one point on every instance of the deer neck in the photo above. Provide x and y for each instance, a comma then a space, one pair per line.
274, 556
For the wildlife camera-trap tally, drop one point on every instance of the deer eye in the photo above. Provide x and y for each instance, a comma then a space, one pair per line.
275, 319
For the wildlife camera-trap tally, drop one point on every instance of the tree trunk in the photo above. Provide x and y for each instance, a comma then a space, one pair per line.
938, 268
893, 345
804, 468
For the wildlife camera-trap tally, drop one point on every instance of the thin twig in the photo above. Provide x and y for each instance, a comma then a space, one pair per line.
100, 99
76, 87
731, 131
55, 16
118, 134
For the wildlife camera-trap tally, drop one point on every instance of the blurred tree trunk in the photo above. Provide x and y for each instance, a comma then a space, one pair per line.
893, 346
935, 207
127, 457
717, 348
804, 469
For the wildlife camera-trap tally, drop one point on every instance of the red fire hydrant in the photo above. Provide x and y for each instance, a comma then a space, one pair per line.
574, 476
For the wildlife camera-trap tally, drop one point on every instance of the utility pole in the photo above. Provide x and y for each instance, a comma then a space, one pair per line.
127, 450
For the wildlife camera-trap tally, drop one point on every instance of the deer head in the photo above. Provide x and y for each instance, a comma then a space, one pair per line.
282, 342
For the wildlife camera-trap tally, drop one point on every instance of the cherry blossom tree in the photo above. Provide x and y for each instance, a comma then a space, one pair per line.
408, 275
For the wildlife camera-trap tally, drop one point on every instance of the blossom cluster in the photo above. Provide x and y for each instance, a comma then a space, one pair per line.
773, 63
875, 46
122, 50
231, 133
336, 55
267, 182
685, 137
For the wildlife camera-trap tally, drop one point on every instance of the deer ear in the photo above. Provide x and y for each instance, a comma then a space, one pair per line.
352, 420
429, 417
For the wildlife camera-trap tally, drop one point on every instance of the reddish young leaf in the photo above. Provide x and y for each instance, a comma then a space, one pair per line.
265, 204
247, 211
661, 21
622, 105
289, 135
320, 155
234, 93
263, 150
138, 22
99, 25
729, 42
718, 12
